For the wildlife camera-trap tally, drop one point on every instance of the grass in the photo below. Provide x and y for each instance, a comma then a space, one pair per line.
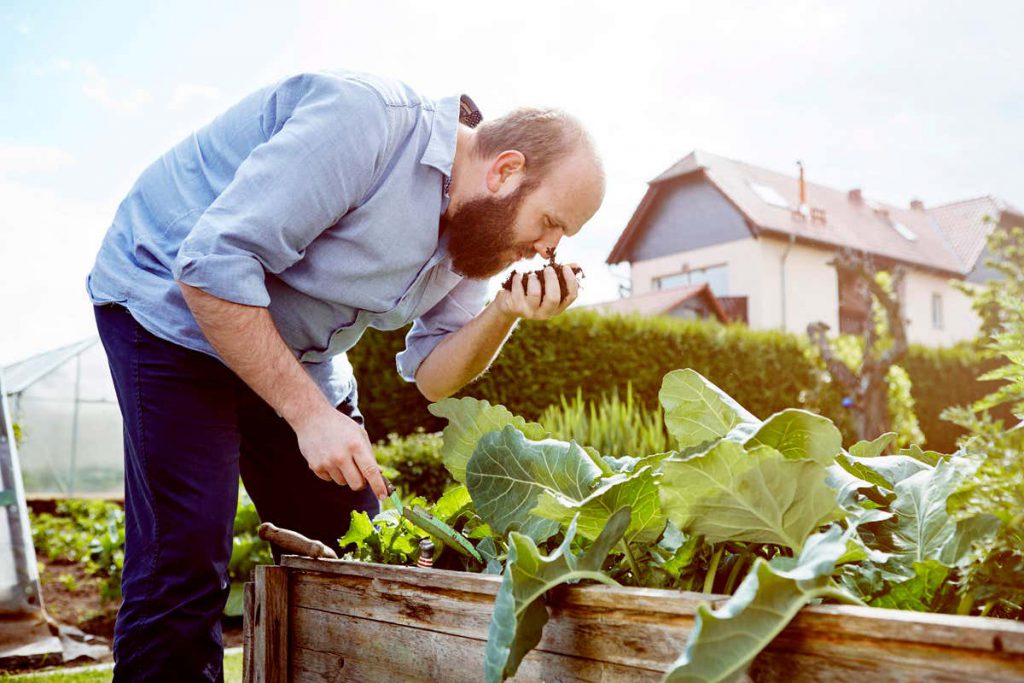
104, 673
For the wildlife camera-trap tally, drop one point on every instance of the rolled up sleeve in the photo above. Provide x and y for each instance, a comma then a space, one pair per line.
327, 138
457, 308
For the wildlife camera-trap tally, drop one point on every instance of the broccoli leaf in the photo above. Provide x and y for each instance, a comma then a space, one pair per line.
798, 434
519, 610
698, 412
508, 473
468, 420
638, 491
759, 496
724, 641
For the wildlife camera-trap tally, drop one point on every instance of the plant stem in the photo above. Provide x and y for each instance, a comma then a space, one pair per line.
709, 578
631, 561
965, 605
735, 572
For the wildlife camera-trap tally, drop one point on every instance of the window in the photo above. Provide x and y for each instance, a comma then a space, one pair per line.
905, 232
717, 278
937, 311
769, 195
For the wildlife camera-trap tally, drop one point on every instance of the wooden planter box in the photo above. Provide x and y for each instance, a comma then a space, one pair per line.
332, 620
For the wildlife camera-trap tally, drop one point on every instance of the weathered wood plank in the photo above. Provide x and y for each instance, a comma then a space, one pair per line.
270, 656
248, 628
628, 637
335, 648
646, 629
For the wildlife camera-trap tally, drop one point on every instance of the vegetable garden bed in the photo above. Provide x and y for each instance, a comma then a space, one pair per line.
334, 620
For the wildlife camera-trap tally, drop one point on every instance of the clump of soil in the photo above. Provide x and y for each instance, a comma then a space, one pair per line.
539, 274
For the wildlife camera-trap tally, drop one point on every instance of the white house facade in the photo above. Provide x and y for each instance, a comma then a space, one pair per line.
763, 244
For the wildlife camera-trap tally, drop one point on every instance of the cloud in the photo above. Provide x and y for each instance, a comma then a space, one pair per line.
185, 95
116, 96
49, 243
19, 159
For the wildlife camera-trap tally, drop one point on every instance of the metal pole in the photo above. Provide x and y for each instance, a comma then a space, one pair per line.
13, 495
74, 426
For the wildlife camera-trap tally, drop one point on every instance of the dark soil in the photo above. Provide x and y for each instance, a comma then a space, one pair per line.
539, 274
72, 597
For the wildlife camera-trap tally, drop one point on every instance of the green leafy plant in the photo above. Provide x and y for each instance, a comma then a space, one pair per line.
611, 424
774, 513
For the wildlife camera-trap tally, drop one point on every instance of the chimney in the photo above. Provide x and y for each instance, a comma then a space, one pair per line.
803, 186
856, 196
917, 205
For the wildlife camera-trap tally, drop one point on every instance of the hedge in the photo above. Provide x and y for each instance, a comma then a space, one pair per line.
766, 371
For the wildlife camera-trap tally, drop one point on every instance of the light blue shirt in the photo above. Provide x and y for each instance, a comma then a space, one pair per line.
319, 198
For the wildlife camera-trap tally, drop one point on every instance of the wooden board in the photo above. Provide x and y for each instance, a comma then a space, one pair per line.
350, 621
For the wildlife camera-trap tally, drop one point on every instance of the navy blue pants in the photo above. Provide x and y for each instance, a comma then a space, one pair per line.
191, 427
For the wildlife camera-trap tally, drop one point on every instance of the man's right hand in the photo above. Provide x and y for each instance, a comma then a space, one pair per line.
338, 449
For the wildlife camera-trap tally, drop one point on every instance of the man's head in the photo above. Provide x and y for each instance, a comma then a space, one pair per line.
520, 183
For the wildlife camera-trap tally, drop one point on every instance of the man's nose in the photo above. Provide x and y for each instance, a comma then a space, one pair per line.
547, 246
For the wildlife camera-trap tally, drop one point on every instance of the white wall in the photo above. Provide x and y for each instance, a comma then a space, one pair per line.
959, 321
812, 288
743, 258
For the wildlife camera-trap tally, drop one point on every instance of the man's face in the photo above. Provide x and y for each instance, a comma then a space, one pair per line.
481, 235
491, 231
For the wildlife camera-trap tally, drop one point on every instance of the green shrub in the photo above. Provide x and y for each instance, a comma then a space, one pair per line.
613, 426
766, 371
415, 463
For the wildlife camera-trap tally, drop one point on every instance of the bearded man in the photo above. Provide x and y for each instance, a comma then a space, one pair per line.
244, 263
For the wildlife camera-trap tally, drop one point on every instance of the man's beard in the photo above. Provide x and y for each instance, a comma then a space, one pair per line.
481, 240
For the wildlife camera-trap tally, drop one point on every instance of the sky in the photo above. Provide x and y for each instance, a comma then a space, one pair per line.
905, 100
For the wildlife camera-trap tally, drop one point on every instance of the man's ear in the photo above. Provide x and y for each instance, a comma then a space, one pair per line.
506, 172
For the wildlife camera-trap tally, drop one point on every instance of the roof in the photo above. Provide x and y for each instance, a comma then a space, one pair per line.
662, 302
24, 373
866, 225
968, 223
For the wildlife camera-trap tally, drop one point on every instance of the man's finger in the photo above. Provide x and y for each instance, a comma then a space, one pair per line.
370, 470
322, 474
533, 291
351, 473
552, 292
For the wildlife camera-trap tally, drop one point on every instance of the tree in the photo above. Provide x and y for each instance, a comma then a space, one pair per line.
885, 344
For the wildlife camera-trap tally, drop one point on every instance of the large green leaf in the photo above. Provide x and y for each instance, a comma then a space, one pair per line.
468, 420
723, 642
873, 449
924, 526
519, 611
508, 472
884, 471
696, 411
638, 491
917, 592
798, 434
759, 496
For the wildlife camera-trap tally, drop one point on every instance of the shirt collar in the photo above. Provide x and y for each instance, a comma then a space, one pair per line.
440, 151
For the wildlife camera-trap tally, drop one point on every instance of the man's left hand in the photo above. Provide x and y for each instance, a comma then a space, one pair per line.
531, 305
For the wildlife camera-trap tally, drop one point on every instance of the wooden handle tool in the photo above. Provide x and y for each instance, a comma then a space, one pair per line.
294, 542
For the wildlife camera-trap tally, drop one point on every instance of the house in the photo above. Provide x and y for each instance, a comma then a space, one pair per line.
762, 242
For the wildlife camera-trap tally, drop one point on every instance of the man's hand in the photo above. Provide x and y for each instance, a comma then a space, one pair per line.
531, 305
338, 449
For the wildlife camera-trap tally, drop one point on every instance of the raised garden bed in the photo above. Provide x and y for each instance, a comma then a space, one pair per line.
334, 620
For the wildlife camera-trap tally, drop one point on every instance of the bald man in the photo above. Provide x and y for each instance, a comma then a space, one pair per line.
244, 263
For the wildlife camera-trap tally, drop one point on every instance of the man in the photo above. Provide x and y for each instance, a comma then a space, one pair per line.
256, 251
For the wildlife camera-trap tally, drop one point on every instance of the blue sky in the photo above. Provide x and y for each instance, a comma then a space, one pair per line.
909, 99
